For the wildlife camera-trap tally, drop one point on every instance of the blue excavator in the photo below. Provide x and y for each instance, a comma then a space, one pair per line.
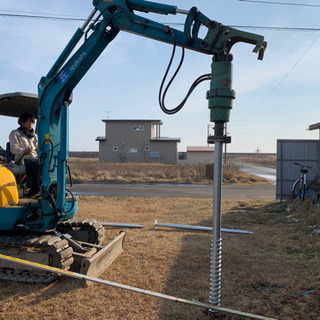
45, 229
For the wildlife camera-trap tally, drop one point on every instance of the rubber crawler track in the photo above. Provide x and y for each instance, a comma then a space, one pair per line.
92, 230
55, 250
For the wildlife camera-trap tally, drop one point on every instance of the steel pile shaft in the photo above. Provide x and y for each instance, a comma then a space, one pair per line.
215, 271
200, 228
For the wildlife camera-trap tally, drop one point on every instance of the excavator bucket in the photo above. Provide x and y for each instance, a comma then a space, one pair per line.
94, 262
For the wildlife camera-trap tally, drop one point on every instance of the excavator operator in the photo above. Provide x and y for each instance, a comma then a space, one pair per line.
24, 147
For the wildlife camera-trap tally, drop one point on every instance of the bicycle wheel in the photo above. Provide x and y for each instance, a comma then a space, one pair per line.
297, 190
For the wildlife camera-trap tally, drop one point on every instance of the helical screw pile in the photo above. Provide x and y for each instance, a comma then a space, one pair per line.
215, 271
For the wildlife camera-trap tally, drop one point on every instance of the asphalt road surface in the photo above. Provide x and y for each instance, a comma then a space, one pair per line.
266, 191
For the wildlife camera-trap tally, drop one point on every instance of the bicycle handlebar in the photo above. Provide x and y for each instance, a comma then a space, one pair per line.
301, 165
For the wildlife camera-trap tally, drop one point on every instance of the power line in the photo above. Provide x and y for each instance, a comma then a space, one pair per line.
275, 28
69, 19
27, 16
36, 13
282, 3
282, 80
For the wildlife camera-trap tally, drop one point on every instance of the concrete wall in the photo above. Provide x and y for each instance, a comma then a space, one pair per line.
168, 151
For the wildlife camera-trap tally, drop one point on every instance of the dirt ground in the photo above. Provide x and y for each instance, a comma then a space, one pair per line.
273, 272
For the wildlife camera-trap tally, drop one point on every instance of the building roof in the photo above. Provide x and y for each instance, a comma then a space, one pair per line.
200, 149
165, 139
101, 138
133, 120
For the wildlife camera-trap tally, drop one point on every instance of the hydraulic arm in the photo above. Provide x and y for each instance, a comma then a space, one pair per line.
107, 19
102, 26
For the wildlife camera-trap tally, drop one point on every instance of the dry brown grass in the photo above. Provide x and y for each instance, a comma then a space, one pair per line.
255, 159
260, 272
233, 175
94, 171
307, 211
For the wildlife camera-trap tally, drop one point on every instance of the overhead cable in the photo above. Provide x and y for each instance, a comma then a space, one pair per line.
280, 82
282, 3
277, 28
69, 19
40, 17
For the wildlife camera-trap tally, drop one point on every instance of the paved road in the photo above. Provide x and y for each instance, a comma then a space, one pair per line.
267, 191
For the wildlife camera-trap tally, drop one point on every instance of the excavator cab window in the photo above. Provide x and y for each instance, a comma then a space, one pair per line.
19, 171
9, 154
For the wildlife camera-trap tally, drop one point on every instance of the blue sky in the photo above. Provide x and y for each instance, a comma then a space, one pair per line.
276, 98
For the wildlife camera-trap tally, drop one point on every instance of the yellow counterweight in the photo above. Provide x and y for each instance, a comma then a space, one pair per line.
9, 195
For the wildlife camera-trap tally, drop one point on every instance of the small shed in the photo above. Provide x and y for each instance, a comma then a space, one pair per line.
306, 152
199, 154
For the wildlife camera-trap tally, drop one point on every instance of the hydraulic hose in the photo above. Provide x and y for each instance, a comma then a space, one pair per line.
193, 86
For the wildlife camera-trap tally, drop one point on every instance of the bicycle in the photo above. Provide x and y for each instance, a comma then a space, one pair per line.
301, 186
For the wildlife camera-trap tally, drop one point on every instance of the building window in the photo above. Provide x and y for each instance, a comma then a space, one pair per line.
131, 150
182, 155
115, 149
137, 128
146, 148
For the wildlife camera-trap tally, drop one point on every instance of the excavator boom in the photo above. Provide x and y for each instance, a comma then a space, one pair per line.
52, 214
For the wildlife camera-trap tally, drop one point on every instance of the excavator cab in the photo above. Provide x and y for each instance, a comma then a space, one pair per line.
67, 243
12, 105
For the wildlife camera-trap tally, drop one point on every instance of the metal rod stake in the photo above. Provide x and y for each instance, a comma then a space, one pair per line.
200, 228
216, 242
122, 225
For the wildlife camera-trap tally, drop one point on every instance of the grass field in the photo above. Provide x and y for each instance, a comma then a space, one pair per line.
254, 158
266, 273
86, 170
